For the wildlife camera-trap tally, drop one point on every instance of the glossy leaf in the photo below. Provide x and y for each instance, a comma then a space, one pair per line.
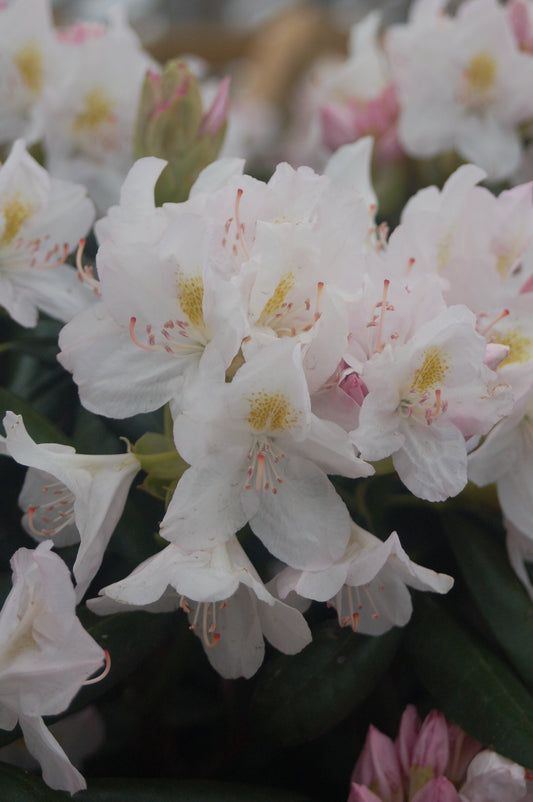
20, 786
146, 790
500, 596
469, 683
37, 424
301, 696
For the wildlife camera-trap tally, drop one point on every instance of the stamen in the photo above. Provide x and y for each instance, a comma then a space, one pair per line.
375, 614
379, 345
496, 320
240, 226
133, 323
52, 252
105, 672
86, 272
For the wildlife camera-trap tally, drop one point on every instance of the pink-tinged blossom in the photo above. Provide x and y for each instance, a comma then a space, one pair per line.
45, 657
368, 584
432, 761
70, 497
359, 98
228, 606
41, 222
463, 84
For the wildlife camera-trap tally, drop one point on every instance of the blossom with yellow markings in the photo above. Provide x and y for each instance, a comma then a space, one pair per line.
41, 221
259, 455
29, 63
426, 398
463, 85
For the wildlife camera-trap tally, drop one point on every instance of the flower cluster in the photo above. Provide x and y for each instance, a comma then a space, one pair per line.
437, 83
295, 344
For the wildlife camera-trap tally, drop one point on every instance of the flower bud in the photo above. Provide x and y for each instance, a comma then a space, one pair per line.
171, 124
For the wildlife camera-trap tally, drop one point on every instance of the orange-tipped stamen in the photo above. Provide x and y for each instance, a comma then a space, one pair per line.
105, 672
85, 272
379, 346
496, 320
240, 226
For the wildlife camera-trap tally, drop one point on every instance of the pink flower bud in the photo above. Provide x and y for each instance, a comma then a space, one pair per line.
354, 387
432, 748
216, 115
407, 737
337, 125
359, 793
520, 25
378, 766
494, 354
438, 790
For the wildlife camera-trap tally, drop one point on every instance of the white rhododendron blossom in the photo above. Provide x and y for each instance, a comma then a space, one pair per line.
368, 584
463, 84
425, 398
228, 606
41, 221
45, 657
258, 454
29, 62
70, 497
89, 114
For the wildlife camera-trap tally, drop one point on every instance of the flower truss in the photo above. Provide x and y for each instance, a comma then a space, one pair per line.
309, 376
434, 84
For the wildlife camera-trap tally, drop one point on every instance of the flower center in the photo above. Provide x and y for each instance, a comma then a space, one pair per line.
203, 620
349, 602
29, 62
520, 346
271, 411
479, 78
191, 297
97, 107
15, 211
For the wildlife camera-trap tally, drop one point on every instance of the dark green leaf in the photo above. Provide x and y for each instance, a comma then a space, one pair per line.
469, 683
118, 790
19, 786
298, 697
500, 596
37, 425
129, 638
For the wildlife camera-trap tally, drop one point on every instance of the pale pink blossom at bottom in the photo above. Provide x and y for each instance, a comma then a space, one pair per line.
433, 761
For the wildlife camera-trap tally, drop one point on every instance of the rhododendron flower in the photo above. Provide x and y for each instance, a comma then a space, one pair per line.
368, 584
258, 454
425, 399
432, 761
71, 497
41, 222
29, 61
45, 657
464, 84
89, 113
228, 606
506, 457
